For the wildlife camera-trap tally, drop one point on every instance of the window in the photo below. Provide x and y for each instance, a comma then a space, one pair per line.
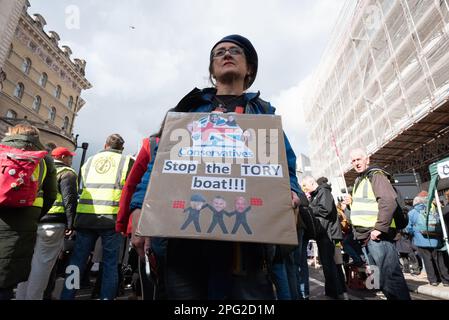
52, 114
32, 46
58, 92
37, 103
18, 92
11, 114
43, 80
48, 61
66, 124
26, 66
70, 103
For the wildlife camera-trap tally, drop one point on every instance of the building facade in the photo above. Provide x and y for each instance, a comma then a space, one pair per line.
9, 16
43, 85
383, 85
303, 167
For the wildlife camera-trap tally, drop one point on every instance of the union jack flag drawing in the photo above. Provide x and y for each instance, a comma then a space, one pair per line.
220, 133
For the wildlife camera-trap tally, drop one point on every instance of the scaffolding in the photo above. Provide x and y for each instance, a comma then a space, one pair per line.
385, 69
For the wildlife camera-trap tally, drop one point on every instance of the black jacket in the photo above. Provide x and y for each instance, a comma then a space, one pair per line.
325, 211
67, 186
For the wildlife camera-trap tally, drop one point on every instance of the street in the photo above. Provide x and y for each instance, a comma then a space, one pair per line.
317, 290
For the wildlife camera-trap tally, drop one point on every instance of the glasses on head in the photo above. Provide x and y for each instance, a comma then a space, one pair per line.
233, 51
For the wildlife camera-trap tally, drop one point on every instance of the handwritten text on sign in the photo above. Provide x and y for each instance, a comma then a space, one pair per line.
219, 183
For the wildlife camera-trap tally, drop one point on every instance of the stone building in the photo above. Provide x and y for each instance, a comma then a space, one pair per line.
43, 83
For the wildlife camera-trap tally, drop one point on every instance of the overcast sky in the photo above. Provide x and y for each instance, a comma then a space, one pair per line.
144, 56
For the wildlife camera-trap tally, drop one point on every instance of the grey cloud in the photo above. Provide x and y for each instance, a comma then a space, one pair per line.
138, 73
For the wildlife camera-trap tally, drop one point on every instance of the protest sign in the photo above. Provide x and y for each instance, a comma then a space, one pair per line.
220, 177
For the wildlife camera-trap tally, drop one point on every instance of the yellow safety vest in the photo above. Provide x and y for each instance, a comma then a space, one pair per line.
58, 205
103, 178
364, 208
40, 173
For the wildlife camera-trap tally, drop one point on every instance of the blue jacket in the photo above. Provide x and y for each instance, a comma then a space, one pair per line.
201, 101
412, 228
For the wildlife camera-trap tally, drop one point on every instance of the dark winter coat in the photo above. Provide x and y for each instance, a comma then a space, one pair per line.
324, 209
67, 184
18, 226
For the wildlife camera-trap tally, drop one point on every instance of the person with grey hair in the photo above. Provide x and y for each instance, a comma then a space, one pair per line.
373, 204
427, 237
323, 205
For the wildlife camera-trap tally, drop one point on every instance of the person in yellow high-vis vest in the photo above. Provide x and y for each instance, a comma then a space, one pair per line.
373, 203
52, 228
103, 177
18, 226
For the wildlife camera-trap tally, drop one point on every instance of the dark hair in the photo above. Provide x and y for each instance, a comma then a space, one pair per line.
322, 180
115, 141
50, 146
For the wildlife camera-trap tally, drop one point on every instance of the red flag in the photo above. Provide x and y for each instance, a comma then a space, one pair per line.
179, 204
256, 202
335, 144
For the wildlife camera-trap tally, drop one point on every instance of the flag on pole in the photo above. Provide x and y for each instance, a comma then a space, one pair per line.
334, 142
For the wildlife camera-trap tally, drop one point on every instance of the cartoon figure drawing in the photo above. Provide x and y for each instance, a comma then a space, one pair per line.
197, 203
214, 121
218, 212
231, 121
241, 209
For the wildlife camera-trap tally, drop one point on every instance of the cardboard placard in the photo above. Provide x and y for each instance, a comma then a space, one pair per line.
220, 177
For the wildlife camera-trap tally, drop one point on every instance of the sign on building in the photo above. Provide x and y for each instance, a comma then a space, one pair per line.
443, 170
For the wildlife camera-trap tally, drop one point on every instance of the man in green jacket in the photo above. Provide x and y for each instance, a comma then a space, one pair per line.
18, 226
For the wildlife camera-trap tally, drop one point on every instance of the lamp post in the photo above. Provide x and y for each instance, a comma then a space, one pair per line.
84, 146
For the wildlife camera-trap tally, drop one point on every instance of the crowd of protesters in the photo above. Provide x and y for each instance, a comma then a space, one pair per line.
58, 233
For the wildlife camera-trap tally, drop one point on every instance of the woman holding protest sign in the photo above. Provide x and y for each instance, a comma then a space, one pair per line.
204, 269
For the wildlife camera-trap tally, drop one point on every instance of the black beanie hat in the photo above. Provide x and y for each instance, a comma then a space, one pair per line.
250, 52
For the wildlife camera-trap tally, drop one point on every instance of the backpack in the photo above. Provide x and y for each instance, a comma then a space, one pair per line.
19, 176
428, 224
400, 215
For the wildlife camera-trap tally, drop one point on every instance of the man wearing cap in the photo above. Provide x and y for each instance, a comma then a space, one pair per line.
202, 269
52, 228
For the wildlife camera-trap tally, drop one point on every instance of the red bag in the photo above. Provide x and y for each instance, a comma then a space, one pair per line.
19, 183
